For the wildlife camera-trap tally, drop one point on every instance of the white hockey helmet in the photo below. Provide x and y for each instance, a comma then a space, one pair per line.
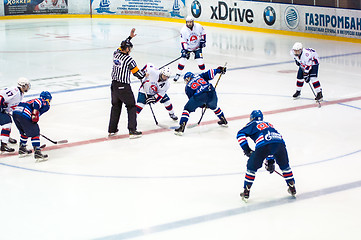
164, 74
297, 46
189, 18
24, 84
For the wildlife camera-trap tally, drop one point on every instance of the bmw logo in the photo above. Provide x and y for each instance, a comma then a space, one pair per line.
291, 17
196, 9
269, 16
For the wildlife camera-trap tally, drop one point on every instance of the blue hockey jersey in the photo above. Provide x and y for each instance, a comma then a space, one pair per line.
260, 132
200, 83
26, 108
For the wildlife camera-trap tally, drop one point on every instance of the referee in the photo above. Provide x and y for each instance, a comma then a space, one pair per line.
121, 91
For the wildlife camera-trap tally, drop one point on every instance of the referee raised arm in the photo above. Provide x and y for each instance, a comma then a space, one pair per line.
121, 91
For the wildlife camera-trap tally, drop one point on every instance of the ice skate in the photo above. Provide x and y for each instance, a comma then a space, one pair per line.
5, 148
39, 157
319, 97
173, 116
291, 188
297, 95
179, 131
223, 122
134, 134
23, 151
176, 77
245, 194
112, 134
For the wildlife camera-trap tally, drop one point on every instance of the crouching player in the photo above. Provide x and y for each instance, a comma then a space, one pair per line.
26, 116
154, 88
269, 145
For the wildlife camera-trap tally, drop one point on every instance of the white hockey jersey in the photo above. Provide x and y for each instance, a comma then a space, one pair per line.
11, 98
308, 58
190, 39
150, 85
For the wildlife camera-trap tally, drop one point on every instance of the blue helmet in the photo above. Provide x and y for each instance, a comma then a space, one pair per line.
46, 95
256, 115
188, 75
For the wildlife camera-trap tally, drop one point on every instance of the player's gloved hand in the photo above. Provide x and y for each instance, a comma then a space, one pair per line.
306, 78
270, 165
150, 100
297, 63
248, 153
35, 117
202, 43
222, 69
185, 54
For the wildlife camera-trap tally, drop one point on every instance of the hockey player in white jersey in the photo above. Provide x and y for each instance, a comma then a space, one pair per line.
154, 88
9, 99
193, 39
308, 62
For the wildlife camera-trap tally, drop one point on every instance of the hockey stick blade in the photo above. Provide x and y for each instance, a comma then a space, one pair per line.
166, 126
55, 142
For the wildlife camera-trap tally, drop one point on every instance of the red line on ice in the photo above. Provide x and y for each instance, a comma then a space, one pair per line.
158, 130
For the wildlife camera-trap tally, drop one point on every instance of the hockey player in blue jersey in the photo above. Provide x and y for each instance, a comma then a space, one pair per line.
201, 93
270, 145
26, 116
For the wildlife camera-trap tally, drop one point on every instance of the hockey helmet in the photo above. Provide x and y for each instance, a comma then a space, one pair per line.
164, 74
256, 115
188, 76
24, 84
189, 18
297, 49
189, 21
126, 44
46, 96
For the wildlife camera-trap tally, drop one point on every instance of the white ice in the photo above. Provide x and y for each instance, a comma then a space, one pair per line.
163, 186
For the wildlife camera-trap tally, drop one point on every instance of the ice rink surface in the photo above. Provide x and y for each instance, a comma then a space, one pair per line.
163, 186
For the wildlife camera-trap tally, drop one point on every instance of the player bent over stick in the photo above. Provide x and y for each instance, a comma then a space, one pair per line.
26, 116
201, 93
269, 145
154, 88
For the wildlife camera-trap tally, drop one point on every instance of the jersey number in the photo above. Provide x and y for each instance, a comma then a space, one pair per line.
199, 82
263, 125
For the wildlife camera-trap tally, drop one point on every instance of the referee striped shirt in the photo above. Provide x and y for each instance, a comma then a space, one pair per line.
123, 65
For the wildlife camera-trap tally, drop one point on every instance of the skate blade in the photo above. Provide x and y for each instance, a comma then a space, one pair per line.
178, 133
41, 160
134, 136
224, 125
24, 155
295, 98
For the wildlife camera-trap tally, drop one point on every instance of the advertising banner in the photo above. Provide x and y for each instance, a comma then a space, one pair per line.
156, 8
296, 18
19, 7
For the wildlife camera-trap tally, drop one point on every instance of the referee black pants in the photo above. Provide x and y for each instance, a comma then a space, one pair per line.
122, 93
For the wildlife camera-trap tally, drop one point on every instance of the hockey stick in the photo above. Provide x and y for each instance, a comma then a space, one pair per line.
319, 104
205, 108
52, 141
170, 62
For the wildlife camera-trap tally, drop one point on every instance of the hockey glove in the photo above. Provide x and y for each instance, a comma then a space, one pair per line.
270, 165
248, 153
35, 116
306, 78
150, 100
222, 70
185, 54
202, 43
